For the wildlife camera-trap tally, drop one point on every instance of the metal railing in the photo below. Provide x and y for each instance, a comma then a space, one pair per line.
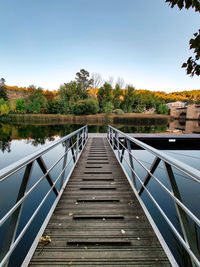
74, 144
123, 143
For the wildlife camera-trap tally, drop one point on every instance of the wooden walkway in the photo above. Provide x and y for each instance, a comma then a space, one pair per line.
98, 220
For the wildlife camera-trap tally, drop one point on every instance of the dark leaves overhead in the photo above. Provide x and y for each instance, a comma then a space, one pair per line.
192, 65
185, 3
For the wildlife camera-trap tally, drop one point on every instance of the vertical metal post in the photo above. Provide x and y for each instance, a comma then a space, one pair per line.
14, 222
108, 134
43, 167
112, 138
77, 144
82, 139
72, 149
123, 150
188, 231
87, 131
64, 163
148, 176
117, 139
84, 136
131, 162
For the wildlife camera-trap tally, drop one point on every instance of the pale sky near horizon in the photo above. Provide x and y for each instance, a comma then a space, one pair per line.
45, 42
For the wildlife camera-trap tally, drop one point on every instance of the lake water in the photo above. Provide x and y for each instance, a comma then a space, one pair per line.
17, 141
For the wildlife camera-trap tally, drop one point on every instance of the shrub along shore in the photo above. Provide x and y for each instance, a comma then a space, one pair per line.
129, 118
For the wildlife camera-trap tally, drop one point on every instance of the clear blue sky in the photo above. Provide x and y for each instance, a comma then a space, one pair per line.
45, 42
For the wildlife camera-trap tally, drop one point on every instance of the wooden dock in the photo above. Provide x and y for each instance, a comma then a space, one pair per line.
98, 220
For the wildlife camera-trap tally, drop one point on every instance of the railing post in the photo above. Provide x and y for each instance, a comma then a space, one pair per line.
108, 134
123, 150
72, 150
117, 139
112, 138
84, 136
82, 139
77, 144
64, 163
148, 176
131, 161
43, 167
86, 131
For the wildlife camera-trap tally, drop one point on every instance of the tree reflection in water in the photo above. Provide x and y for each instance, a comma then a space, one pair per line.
40, 134
5, 138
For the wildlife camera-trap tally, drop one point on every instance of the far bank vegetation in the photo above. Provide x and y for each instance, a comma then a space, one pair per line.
82, 97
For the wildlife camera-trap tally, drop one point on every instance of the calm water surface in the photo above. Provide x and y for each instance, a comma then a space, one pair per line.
17, 141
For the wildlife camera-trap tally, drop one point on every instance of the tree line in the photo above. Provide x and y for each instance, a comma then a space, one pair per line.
80, 97
77, 97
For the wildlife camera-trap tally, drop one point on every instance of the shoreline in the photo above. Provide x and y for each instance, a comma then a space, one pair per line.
129, 118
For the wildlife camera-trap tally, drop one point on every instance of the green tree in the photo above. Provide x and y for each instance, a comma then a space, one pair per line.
129, 98
145, 100
82, 79
108, 107
37, 103
3, 93
192, 65
72, 92
12, 105
20, 105
117, 94
104, 96
58, 106
86, 107
118, 111
34, 107
162, 109
4, 107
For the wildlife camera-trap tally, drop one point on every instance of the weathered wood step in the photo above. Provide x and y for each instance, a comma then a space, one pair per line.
101, 210
99, 162
137, 242
98, 217
130, 233
98, 179
101, 201
100, 254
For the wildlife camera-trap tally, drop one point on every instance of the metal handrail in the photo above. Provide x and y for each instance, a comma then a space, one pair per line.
16, 166
188, 241
27, 162
162, 185
181, 166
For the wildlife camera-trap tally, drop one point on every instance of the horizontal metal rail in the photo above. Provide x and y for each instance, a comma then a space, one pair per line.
188, 241
161, 184
16, 166
14, 214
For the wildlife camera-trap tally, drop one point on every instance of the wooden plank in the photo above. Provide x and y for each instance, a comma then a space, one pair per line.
98, 220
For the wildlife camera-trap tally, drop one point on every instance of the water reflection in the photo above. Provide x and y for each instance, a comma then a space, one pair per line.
41, 134
185, 126
5, 138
